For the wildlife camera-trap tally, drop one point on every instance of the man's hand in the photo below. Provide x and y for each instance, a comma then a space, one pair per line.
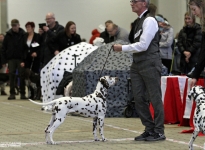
45, 28
117, 48
187, 54
40, 31
34, 54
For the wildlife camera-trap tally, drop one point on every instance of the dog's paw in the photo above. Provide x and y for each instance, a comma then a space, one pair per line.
104, 140
96, 140
51, 143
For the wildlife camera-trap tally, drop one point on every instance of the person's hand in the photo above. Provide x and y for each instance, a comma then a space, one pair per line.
187, 54
187, 60
40, 31
34, 54
117, 48
45, 28
22, 64
56, 52
193, 82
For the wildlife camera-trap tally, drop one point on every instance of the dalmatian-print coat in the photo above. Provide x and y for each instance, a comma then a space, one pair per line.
52, 73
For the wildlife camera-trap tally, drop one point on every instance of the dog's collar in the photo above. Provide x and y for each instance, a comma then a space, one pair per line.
198, 95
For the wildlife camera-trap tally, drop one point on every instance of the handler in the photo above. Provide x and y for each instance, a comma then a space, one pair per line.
145, 71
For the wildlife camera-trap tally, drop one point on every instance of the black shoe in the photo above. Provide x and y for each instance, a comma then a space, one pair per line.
143, 136
11, 97
23, 97
3, 93
156, 137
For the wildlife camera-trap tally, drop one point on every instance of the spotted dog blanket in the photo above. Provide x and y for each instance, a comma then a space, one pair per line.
52, 73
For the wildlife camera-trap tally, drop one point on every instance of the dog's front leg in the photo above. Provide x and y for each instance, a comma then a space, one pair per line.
101, 124
95, 129
194, 135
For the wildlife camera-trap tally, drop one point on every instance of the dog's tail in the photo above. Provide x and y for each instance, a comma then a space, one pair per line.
42, 104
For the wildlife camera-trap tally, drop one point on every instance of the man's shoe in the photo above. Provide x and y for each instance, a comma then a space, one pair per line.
143, 136
3, 93
156, 137
11, 97
23, 97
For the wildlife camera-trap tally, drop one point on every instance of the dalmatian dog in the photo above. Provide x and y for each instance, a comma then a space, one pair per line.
197, 93
93, 105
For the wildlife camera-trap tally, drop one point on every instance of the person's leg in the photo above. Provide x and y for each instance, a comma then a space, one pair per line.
21, 71
167, 63
141, 103
12, 65
152, 78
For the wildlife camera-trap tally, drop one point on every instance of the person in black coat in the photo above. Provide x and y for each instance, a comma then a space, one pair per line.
189, 43
13, 53
32, 46
64, 39
48, 32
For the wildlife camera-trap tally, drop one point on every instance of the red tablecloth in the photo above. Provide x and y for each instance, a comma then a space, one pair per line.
177, 106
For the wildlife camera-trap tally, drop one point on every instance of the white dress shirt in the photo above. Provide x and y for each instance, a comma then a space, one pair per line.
150, 27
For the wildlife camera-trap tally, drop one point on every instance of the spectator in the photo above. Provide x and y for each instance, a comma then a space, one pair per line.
105, 35
49, 31
2, 68
117, 32
32, 45
165, 43
198, 9
189, 43
65, 38
13, 53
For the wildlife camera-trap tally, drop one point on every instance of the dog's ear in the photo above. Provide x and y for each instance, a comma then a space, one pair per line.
104, 83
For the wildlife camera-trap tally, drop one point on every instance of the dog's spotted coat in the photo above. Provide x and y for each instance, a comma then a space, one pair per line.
93, 105
198, 94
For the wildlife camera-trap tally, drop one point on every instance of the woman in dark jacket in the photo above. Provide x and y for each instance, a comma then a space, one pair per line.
189, 43
65, 38
198, 9
32, 45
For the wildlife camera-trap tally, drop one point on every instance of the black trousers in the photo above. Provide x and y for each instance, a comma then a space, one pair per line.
167, 63
13, 65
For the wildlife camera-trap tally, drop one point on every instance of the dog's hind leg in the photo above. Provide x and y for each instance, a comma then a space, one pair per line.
194, 135
59, 119
101, 124
48, 127
95, 129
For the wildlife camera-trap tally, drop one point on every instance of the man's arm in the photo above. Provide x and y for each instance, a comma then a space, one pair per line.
150, 28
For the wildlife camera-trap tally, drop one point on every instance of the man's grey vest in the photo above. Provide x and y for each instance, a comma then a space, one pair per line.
153, 50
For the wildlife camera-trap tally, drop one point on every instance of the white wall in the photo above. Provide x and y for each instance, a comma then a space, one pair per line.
87, 14
174, 11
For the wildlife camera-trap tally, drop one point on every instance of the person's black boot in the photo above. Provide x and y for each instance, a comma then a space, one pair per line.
11, 97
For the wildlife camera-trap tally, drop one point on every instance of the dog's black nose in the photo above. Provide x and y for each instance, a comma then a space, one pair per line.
116, 79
